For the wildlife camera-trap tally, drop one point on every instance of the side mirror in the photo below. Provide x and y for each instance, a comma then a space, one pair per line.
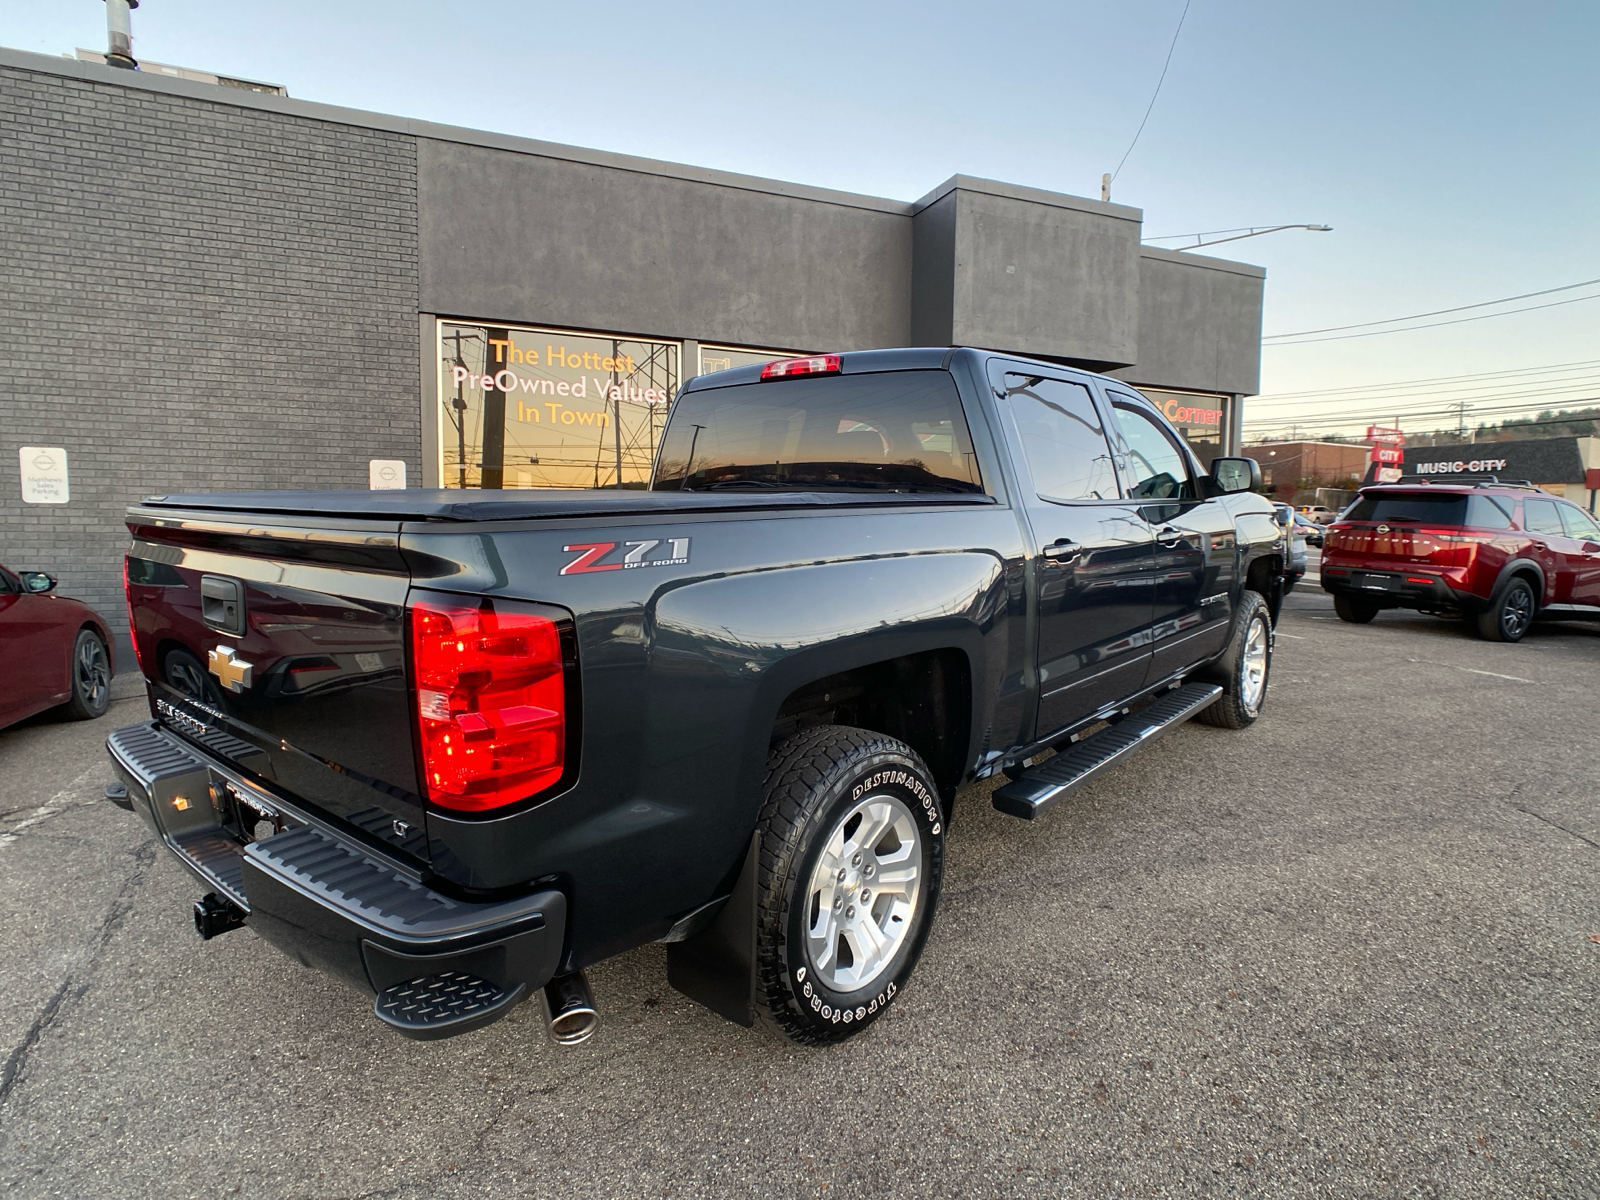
37, 581
1229, 475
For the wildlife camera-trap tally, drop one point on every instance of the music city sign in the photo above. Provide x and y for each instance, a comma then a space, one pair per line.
1473, 466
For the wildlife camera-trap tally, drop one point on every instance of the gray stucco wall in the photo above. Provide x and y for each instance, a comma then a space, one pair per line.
526, 238
1199, 323
193, 296
1037, 273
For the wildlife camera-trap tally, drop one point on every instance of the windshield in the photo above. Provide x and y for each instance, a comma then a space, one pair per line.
1435, 508
887, 431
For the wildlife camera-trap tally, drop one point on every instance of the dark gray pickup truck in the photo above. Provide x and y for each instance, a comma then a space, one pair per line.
454, 747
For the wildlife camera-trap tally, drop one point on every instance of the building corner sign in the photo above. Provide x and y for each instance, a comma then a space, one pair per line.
44, 474
386, 474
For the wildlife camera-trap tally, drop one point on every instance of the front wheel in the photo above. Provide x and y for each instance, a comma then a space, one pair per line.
91, 677
1510, 615
1243, 668
852, 856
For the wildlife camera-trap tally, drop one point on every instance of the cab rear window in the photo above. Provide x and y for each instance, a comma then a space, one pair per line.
885, 431
1441, 509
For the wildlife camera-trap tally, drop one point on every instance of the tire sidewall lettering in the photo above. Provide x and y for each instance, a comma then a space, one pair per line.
809, 992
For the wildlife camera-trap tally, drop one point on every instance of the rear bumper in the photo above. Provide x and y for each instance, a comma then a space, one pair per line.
1399, 589
331, 902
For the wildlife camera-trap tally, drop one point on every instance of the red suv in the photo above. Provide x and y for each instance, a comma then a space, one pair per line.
1498, 554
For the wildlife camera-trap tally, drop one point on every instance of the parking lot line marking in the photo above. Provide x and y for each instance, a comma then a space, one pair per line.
1495, 674
1471, 670
57, 803
1299, 637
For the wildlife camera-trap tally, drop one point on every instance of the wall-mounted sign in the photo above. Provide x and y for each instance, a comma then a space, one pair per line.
44, 474
523, 407
384, 474
1539, 460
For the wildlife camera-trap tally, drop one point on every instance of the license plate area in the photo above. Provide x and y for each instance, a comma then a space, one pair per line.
1378, 583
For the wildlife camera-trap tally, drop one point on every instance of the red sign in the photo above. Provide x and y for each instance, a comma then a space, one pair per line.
1378, 433
1591, 479
1387, 455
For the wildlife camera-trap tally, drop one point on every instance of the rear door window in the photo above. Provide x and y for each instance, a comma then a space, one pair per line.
1062, 438
1540, 516
885, 431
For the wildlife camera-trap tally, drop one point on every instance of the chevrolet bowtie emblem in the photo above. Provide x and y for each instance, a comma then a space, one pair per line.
231, 670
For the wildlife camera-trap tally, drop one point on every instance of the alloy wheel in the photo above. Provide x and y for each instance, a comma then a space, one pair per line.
863, 893
1517, 612
1254, 668
93, 672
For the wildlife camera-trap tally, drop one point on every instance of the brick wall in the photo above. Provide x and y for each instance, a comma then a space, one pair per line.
193, 296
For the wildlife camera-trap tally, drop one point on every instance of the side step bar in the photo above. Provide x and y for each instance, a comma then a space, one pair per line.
1039, 788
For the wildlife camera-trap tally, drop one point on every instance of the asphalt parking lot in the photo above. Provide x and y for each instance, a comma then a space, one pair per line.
1352, 951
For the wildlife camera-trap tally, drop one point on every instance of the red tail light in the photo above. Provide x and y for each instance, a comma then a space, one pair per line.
491, 701
784, 368
133, 632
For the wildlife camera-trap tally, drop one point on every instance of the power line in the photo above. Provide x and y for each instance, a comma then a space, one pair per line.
1157, 92
1438, 312
1399, 383
1389, 402
1500, 425
1507, 414
1345, 337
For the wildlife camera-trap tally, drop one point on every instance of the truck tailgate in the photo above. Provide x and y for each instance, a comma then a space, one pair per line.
288, 633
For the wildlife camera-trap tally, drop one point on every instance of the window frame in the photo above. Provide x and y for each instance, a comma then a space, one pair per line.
1024, 463
1562, 505
1134, 402
1552, 502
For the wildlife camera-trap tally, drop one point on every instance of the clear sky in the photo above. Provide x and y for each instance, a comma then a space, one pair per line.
1454, 147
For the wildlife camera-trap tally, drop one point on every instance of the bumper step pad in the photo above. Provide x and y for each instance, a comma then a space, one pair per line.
443, 1005
1042, 786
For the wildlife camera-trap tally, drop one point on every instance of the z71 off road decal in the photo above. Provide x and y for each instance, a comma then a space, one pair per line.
654, 552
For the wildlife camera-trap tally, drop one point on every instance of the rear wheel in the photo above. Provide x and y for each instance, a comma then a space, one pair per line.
1355, 609
91, 677
1510, 614
852, 854
1243, 668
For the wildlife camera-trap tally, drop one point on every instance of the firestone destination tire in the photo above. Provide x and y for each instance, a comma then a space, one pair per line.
851, 861
1244, 668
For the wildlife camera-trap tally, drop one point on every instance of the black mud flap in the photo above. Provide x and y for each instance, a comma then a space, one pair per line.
717, 966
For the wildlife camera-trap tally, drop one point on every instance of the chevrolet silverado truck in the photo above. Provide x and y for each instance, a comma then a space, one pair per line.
454, 747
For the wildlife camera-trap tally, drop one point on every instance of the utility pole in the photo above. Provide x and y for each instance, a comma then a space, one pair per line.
1462, 430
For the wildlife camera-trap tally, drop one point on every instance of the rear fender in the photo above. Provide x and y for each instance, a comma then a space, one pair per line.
740, 645
1520, 566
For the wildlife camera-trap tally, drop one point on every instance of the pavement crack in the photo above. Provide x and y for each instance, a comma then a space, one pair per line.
1511, 799
19, 1056
1555, 825
71, 990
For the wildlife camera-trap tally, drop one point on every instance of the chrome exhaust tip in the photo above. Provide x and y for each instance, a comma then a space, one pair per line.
570, 1017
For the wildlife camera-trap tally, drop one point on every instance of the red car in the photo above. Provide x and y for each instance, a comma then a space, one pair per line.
56, 651
1497, 554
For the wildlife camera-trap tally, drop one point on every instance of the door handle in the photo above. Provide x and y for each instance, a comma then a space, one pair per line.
1169, 535
1063, 550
